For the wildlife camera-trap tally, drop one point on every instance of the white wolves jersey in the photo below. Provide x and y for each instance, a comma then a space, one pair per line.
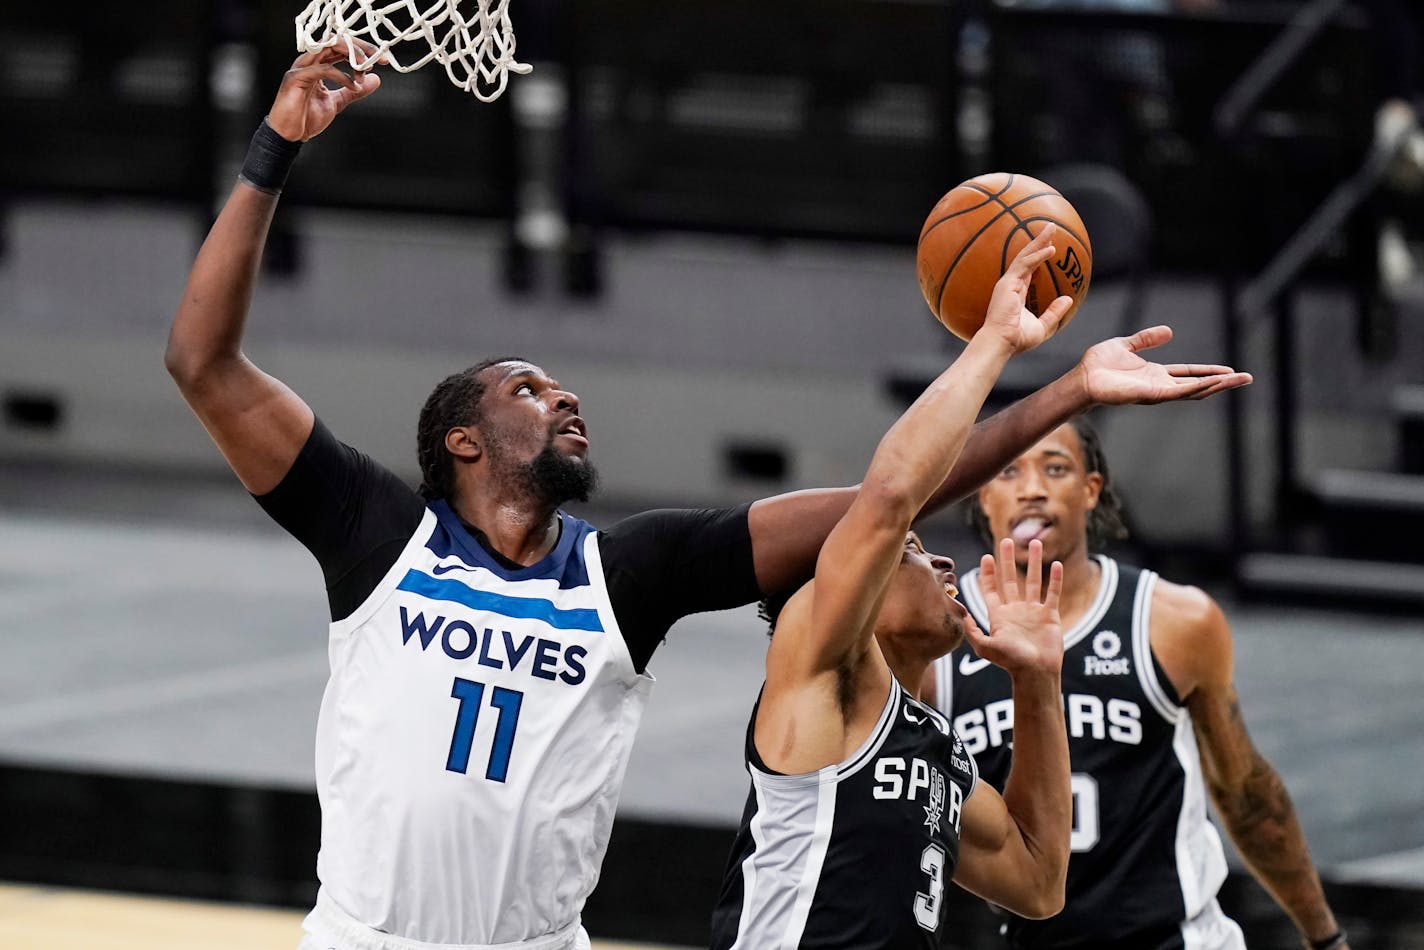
857, 854
472, 740
1146, 863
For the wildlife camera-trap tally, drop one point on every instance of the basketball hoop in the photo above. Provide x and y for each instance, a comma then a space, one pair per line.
476, 49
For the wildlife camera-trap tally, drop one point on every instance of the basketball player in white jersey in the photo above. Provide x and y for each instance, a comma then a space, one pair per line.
1153, 727
489, 651
863, 801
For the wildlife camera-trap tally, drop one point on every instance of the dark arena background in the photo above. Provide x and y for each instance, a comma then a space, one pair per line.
701, 216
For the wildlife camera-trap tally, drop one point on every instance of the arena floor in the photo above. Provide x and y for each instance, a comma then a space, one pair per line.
50, 918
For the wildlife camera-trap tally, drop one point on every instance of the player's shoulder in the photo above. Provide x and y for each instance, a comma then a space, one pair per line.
1184, 607
1189, 635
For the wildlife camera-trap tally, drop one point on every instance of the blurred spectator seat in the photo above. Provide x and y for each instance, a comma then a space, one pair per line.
821, 118
107, 99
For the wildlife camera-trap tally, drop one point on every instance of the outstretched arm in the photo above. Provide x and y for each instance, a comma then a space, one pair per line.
259, 424
788, 530
1014, 848
1191, 635
865, 547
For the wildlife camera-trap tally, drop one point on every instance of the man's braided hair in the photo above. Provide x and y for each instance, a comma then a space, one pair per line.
456, 401
1105, 522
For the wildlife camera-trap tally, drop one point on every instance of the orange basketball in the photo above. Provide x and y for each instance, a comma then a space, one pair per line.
974, 232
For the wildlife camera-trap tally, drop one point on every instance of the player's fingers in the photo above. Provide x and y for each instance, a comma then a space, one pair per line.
1052, 317
1189, 388
1007, 573
342, 78
1055, 586
1033, 580
345, 51
1199, 388
1034, 253
309, 76
364, 55
971, 626
364, 85
1222, 384
1148, 338
988, 583
1196, 369
368, 49
308, 58
1234, 381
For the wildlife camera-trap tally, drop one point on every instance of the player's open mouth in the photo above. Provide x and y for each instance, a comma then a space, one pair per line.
574, 429
1030, 528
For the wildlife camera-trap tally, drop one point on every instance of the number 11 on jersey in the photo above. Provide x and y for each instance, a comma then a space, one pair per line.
471, 696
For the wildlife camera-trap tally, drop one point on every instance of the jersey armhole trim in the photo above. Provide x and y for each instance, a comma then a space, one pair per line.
1142, 649
593, 561
349, 624
847, 767
974, 768
876, 739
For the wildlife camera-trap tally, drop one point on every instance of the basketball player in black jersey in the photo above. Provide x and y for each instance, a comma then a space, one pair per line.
502, 445
1153, 722
862, 804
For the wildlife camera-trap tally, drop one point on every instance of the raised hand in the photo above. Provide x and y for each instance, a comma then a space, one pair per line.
1113, 374
1025, 632
304, 106
1008, 316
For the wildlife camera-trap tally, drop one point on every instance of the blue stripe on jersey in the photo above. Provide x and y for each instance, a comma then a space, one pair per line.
522, 608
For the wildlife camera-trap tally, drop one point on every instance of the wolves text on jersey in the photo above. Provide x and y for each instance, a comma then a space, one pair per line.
1117, 720
895, 778
541, 657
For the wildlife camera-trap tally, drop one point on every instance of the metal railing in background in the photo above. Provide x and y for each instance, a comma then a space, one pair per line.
1271, 290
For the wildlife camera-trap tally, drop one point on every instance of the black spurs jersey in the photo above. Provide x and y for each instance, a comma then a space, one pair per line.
856, 855
1146, 863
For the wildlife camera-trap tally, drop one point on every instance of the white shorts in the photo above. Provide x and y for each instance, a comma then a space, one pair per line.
328, 928
1211, 929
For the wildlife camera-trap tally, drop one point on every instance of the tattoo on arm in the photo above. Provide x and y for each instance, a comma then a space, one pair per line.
1258, 814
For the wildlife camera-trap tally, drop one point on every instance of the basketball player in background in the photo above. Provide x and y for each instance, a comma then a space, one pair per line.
862, 804
1153, 725
488, 651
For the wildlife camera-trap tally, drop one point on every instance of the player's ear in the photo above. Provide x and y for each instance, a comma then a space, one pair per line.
464, 442
1093, 486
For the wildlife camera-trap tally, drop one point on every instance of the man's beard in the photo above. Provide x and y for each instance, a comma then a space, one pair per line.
554, 478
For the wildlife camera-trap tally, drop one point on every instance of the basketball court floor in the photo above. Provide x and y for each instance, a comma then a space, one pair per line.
48, 918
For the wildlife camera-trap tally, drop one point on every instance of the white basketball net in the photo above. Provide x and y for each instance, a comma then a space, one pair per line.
477, 50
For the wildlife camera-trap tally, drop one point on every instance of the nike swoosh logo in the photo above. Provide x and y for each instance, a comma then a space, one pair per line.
969, 665
916, 720
439, 569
